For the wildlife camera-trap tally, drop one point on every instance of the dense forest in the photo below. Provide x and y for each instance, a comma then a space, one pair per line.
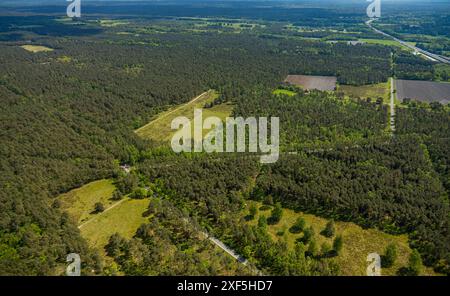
432, 123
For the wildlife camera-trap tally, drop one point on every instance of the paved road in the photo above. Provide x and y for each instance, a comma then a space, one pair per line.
427, 54
232, 253
392, 107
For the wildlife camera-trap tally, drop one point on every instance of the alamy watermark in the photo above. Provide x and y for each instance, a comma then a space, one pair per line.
374, 8
237, 135
74, 8
74, 268
374, 268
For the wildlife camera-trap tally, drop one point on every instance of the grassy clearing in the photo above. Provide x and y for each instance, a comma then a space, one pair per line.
160, 128
36, 48
64, 59
358, 242
379, 90
284, 92
124, 219
80, 202
112, 23
387, 42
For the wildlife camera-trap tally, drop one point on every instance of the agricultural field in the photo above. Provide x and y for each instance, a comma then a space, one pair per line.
358, 242
36, 48
159, 129
426, 91
309, 82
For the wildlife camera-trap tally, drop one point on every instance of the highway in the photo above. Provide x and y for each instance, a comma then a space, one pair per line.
427, 54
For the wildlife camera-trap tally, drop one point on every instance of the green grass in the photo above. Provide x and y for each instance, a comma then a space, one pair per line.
160, 130
124, 219
373, 91
80, 202
64, 59
36, 48
284, 92
112, 23
387, 42
358, 242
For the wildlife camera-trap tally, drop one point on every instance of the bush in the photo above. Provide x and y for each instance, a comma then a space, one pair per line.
117, 195
329, 230
98, 207
262, 222
415, 263
312, 248
389, 257
308, 234
277, 213
337, 245
298, 226
325, 249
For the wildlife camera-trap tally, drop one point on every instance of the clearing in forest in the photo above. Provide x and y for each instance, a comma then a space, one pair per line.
80, 202
280, 91
358, 242
123, 219
374, 91
124, 216
309, 82
159, 129
36, 48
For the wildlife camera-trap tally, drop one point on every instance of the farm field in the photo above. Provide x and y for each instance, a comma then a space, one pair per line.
36, 48
309, 82
80, 202
358, 242
426, 91
160, 130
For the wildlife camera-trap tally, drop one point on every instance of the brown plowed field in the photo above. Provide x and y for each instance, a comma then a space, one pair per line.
426, 91
309, 82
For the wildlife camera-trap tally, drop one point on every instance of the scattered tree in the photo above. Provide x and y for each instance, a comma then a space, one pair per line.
337, 245
98, 207
329, 230
312, 248
277, 213
389, 257
415, 263
298, 226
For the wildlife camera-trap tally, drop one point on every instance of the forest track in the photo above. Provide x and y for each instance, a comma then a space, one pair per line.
106, 210
174, 110
392, 119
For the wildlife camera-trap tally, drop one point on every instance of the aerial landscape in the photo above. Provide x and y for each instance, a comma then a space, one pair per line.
119, 149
